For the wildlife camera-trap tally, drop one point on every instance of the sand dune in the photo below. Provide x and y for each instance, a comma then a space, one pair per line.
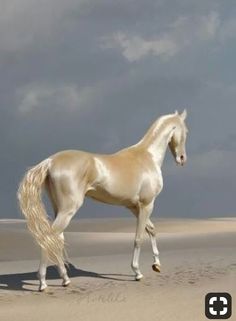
198, 256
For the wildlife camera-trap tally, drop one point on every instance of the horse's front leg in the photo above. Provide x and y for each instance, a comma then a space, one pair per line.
150, 228
142, 217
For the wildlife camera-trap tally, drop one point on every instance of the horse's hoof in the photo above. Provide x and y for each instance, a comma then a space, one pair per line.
43, 289
66, 284
139, 277
156, 268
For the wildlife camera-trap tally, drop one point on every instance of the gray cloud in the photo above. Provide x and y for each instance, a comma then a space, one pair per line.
94, 75
184, 32
67, 95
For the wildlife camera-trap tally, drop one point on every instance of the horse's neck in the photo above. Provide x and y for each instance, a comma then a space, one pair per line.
156, 140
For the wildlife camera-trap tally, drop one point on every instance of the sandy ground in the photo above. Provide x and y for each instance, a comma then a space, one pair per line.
197, 256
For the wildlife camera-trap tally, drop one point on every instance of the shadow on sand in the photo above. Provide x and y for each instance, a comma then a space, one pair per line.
17, 281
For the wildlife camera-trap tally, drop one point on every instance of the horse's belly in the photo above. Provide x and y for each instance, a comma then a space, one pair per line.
104, 196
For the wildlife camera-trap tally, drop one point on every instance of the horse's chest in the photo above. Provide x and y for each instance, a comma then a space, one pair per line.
151, 186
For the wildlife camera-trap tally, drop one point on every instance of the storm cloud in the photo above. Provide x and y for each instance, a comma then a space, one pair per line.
93, 75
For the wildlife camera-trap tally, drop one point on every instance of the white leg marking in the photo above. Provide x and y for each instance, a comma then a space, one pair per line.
62, 270
42, 271
142, 217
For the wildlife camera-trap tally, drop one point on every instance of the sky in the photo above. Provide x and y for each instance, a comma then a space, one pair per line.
94, 75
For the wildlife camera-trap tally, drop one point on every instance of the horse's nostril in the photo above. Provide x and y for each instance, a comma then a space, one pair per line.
182, 157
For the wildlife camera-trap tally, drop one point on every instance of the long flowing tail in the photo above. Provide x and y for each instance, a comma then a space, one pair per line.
31, 205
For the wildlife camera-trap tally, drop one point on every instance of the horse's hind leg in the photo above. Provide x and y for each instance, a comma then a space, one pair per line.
61, 222
62, 270
67, 193
42, 271
64, 210
64, 216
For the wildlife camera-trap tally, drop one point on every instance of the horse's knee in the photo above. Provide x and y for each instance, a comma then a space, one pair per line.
138, 242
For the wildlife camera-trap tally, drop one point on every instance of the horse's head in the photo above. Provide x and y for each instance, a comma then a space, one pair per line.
178, 139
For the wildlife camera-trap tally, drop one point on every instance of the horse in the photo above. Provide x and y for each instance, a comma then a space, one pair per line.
131, 177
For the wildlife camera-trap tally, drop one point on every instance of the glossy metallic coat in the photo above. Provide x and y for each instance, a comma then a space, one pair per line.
131, 177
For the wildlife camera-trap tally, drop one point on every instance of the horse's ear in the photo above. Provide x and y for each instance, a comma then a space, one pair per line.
176, 112
184, 114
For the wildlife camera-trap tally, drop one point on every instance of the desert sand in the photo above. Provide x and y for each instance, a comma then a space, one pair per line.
197, 256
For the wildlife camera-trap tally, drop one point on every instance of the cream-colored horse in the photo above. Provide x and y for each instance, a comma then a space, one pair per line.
131, 177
